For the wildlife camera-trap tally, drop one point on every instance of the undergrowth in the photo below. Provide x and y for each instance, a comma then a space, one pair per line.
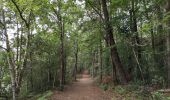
134, 92
42, 96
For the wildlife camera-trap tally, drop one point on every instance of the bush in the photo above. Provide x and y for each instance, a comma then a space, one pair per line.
43, 96
121, 90
158, 96
104, 86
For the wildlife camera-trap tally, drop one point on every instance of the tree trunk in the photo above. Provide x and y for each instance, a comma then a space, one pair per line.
76, 59
1, 76
168, 43
19, 75
93, 63
17, 55
60, 23
135, 31
10, 59
25, 61
159, 41
100, 45
116, 63
62, 59
135, 42
64, 53
62, 70
101, 60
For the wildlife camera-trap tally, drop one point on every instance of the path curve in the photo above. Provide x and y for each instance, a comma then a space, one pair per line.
83, 89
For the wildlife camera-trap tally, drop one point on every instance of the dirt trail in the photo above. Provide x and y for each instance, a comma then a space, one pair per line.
83, 89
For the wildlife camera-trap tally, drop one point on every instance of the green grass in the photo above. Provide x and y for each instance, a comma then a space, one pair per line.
44, 96
132, 92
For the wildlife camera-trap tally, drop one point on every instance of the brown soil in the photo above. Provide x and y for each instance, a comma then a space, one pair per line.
83, 89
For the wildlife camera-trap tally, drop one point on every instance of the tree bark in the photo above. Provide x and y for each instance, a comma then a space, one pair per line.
60, 23
159, 40
27, 48
1, 76
62, 58
168, 42
62, 80
101, 60
135, 42
135, 31
10, 59
25, 61
76, 59
116, 63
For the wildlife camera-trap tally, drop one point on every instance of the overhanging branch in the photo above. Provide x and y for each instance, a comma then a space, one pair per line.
96, 10
20, 13
1, 47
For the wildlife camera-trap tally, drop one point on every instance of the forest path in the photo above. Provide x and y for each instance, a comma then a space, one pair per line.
83, 89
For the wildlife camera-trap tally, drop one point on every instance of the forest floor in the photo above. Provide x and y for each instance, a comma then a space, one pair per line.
83, 89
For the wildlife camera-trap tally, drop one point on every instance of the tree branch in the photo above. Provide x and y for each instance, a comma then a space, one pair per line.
2, 23
96, 10
1, 47
20, 13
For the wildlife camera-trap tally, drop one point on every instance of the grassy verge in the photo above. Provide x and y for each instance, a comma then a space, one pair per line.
132, 92
43, 96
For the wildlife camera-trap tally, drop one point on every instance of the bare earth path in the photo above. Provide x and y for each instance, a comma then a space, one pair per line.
83, 89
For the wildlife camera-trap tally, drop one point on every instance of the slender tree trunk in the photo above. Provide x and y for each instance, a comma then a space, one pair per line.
116, 63
30, 65
1, 76
135, 31
62, 72
54, 79
159, 40
62, 60
25, 61
101, 61
76, 59
92, 63
135, 41
75, 71
10, 59
17, 55
64, 52
168, 43
100, 45
60, 23
27, 47
20, 46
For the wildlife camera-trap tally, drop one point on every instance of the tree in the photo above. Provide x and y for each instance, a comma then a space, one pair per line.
168, 42
116, 63
10, 59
